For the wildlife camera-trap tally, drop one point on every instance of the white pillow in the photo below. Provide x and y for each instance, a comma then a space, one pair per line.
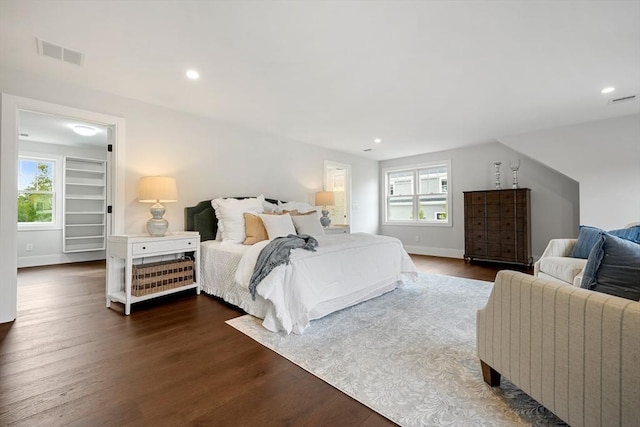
271, 208
308, 224
278, 225
230, 216
302, 207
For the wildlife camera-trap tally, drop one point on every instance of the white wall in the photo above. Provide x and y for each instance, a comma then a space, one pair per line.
208, 158
554, 198
47, 244
603, 156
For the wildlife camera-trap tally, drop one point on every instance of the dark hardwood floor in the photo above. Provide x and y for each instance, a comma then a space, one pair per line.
68, 360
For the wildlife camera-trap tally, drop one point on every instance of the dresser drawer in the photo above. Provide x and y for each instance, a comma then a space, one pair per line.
150, 248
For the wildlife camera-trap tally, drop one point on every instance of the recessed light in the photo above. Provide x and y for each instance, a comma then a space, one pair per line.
608, 90
193, 74
84, 130
377, 140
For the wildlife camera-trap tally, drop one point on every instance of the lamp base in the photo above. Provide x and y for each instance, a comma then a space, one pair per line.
157, 226
324, 219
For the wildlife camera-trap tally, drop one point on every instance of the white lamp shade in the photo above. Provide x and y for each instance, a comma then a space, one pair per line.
325, 198
152, 189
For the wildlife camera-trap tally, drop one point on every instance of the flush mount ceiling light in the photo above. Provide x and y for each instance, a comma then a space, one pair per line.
193, 74
608, 90
377, 140
84, 130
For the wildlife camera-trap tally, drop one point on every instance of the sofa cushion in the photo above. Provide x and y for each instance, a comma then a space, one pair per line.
613, 267
631, 233
562, 268
588, 236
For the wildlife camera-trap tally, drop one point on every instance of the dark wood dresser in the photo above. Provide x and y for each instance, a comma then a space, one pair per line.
497, 225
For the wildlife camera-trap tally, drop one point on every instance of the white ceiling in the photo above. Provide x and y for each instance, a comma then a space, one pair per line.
51, 129
422, 75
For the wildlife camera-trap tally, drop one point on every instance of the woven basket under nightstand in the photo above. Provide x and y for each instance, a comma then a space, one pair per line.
161, 276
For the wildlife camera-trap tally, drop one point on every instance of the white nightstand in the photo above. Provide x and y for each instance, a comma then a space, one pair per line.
123, 251
337, 229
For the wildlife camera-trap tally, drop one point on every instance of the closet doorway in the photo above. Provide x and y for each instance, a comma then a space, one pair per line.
12, 108
337, 178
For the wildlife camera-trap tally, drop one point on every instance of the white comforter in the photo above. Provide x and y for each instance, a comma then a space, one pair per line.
345, 269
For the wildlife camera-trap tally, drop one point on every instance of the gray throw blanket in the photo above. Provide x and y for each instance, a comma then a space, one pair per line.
277, 252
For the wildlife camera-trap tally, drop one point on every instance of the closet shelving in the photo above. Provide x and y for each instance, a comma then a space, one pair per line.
84, 205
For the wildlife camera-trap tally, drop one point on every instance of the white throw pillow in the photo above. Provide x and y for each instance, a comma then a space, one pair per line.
308, 224
271, 208
230, 216
278, 225
302, 207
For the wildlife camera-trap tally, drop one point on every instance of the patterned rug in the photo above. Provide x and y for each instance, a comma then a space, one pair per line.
409, 355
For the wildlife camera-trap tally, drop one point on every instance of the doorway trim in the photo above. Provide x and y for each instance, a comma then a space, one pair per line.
11, 105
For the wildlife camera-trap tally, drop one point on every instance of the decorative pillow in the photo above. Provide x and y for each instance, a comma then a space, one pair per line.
631, 233
587, 238
271, 208
302, 207
254, 229
230, 216
308, 224
296, 213
613, 267
278, 225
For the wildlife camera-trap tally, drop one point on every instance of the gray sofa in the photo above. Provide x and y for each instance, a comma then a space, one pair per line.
574, 350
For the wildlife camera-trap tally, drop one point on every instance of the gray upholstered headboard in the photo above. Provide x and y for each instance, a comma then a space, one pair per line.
202, 218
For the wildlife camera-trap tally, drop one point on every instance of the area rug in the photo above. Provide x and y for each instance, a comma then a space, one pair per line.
408, 355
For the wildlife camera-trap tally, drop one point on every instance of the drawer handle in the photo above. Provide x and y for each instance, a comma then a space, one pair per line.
144, 247
189, 243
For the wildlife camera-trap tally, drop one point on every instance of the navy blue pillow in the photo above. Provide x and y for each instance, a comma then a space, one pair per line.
587, 239
613, 267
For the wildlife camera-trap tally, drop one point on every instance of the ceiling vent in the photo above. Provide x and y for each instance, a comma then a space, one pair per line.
623, 99
60, 53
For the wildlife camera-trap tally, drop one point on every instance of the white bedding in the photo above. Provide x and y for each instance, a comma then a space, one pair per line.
346, 269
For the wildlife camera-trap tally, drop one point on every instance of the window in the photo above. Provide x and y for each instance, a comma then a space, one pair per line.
37, 192
418, 194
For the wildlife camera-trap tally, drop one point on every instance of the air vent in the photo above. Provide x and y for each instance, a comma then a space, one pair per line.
623, 99
60, 53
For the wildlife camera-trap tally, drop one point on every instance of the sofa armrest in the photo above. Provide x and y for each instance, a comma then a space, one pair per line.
574, 350
559, 247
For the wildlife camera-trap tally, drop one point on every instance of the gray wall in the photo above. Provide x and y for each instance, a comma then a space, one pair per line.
603, 155
554, 198
47, 244
208, 158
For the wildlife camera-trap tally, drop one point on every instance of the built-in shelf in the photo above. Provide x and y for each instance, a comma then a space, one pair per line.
84, 205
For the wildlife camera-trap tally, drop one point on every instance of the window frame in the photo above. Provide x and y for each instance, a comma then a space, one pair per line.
416, 221
58, 209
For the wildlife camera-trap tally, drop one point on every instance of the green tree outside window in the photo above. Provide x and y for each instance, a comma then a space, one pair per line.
35, 191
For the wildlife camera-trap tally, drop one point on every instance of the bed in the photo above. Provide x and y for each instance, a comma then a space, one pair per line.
345, 269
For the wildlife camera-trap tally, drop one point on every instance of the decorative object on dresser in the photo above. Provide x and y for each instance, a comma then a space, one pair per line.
157, 190
169, 270
496, 166
514, 165
325, 198
497, 226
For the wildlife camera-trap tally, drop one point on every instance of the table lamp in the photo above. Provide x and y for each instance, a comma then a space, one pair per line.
325, 198
157, 190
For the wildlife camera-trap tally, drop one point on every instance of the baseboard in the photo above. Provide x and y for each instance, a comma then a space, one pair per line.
443, 252
36, 261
